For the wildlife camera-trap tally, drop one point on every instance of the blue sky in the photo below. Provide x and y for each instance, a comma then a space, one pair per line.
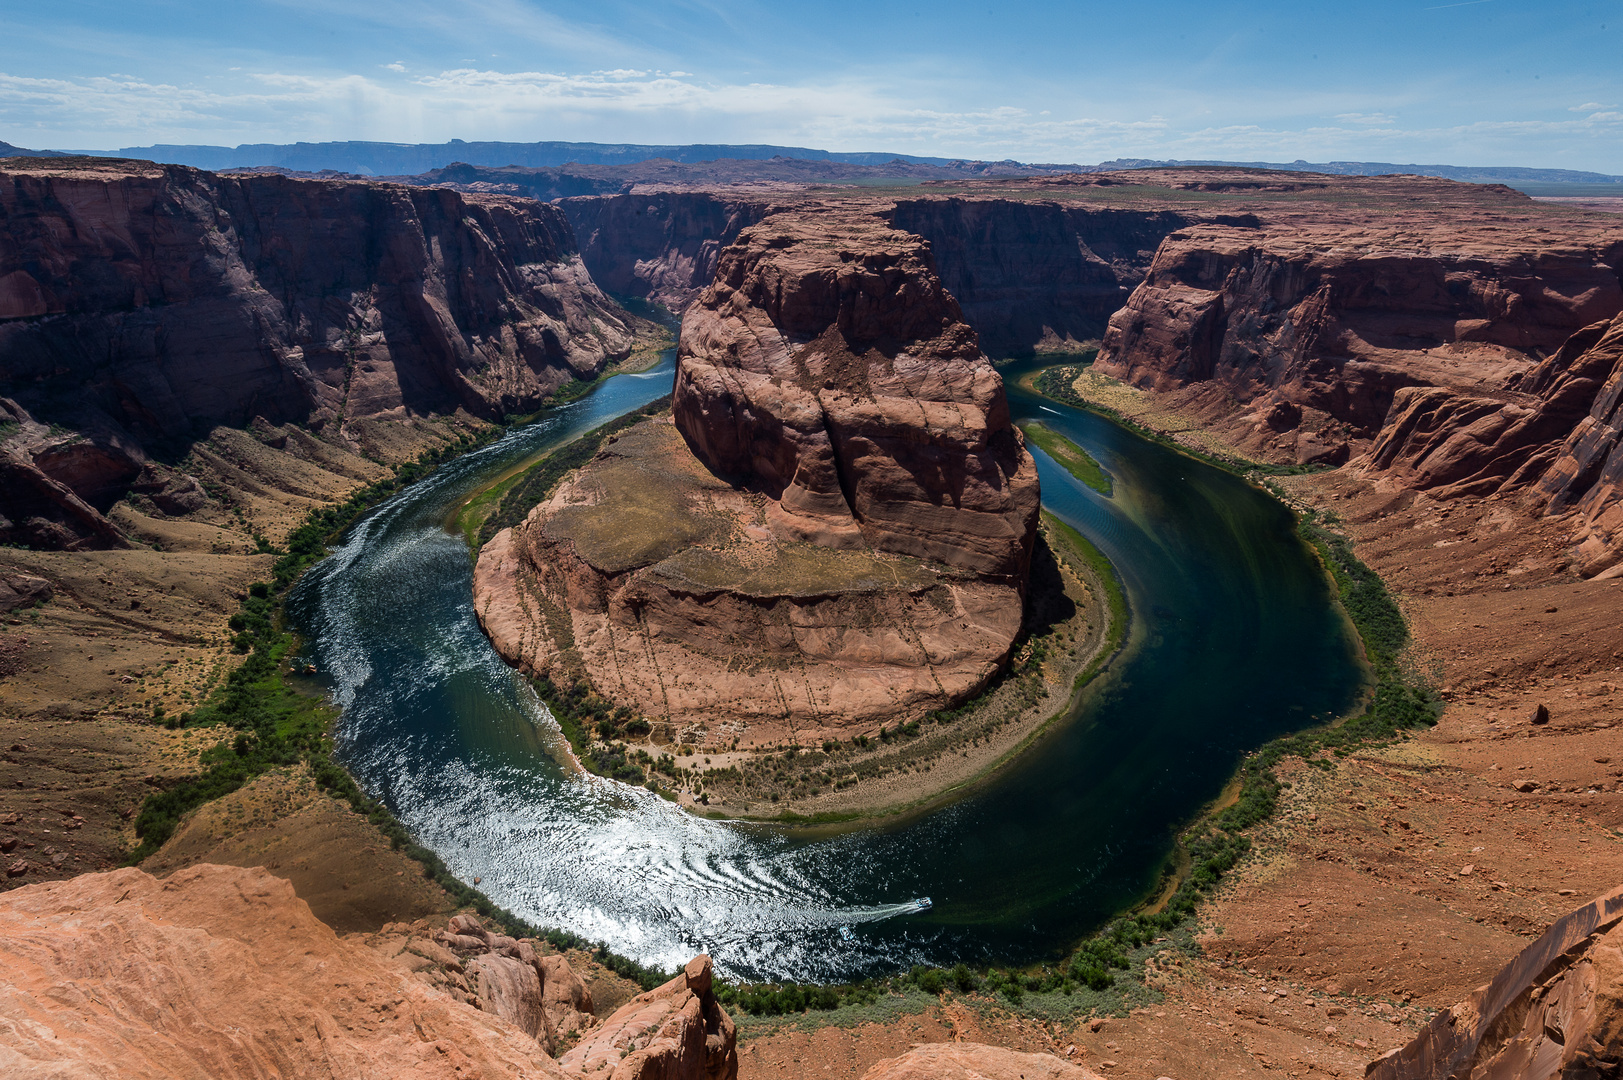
1502, 82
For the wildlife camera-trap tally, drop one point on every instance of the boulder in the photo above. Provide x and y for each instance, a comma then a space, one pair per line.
677, 1031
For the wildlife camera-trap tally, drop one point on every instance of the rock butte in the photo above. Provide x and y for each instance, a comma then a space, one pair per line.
832, 531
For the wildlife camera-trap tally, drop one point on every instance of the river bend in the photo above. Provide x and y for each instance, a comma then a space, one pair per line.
1234, 640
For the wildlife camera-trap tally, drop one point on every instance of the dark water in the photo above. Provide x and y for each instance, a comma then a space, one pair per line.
1234, 640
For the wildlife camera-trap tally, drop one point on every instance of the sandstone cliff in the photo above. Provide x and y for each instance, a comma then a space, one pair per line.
1556, 1010
833, 532
1453, 339
661, 246
141, 305
1034, 274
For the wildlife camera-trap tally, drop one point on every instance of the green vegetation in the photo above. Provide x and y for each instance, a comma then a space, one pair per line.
1075, 460
525, 491
277, 726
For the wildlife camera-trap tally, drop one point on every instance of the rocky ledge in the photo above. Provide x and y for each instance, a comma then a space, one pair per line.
223, 972
831, 531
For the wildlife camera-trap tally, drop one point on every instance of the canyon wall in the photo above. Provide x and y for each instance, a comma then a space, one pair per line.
141, 305
831, 533
1469, 354
1036, 275
661, 246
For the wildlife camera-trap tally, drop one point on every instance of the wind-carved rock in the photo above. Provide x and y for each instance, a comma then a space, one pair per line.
832, 532
1556, 1010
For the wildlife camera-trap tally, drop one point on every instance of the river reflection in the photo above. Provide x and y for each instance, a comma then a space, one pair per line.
1234, 640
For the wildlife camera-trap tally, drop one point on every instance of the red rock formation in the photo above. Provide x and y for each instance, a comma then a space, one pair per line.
678, 1030
836, 532
828, 368
222, 972
139, 304
661, 246
1457, 337
1034, 274
1556, 1010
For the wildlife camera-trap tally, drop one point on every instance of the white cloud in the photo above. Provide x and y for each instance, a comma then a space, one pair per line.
1378, 118
396, 66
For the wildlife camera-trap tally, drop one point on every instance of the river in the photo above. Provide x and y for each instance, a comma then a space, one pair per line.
1234, 640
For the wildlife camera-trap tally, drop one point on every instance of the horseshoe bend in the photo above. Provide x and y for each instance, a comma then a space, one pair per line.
830, 530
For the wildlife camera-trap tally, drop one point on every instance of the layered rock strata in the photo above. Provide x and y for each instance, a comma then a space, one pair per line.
141, 305
661, 246
1465, 354
1037, 275
832, 532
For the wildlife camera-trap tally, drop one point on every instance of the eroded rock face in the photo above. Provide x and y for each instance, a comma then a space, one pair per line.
221, 972
834, 530
1554, 1011
678, 1031
975, 1061
663, 245
1035, 274
143, 304
828, 368
1464, 353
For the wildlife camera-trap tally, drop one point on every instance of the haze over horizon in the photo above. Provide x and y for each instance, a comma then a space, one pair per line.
1484, 82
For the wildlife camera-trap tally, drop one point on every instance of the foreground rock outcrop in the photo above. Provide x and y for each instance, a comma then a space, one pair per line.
1554, 1011
223, 972
141, 305
832, 532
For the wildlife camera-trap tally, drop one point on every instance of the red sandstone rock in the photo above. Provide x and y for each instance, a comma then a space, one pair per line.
828, 368
836, 532
676, 1031
662, 245
974, 1061
221, 972
1556, 1010
138, 301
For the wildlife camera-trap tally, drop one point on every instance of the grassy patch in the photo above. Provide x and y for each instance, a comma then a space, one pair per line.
1075, 460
